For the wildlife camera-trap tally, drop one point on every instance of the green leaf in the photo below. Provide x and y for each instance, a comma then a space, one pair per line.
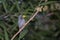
13, 27
22, 34
49, 2
1, 35
6, 34
5, 6
11, 9
5, 31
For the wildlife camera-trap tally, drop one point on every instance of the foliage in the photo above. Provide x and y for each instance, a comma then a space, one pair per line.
45, 26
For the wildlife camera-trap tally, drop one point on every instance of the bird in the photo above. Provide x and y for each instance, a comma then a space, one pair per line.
21, 21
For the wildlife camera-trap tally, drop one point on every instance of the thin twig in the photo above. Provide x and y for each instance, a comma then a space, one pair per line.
38, 9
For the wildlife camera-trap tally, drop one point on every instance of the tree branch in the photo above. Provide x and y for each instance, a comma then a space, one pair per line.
38, 9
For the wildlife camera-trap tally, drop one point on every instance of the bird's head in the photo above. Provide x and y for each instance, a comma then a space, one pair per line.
21, 16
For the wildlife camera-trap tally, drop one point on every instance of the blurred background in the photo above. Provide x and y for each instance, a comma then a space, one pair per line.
45, 25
